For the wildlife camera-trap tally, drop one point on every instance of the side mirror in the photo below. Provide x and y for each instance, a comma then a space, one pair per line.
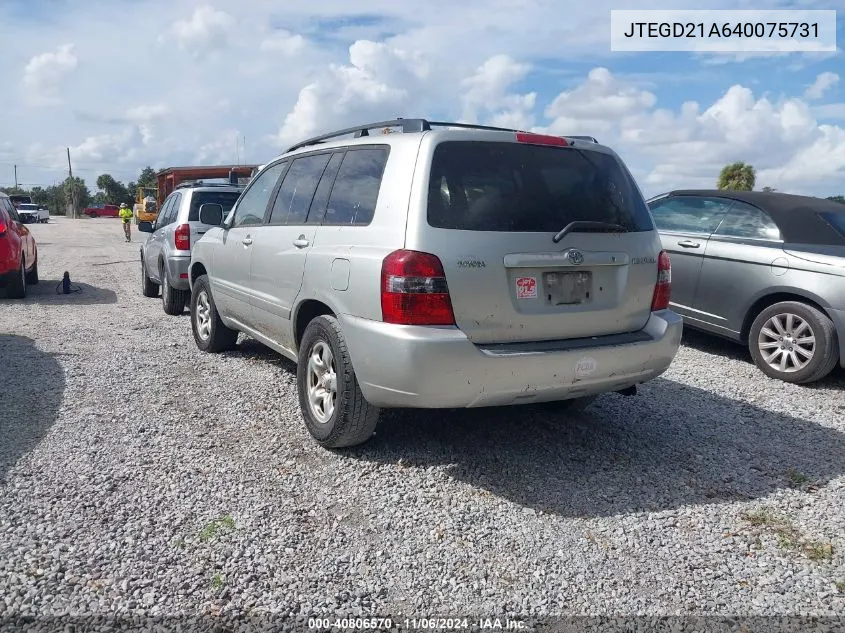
211, 213
145, 227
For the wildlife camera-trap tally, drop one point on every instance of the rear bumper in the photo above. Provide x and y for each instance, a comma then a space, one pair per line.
432, 367
177, 265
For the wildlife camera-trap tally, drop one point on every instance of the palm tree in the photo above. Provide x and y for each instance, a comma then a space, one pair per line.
737, 177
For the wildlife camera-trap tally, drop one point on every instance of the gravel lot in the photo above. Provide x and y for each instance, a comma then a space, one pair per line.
137, 473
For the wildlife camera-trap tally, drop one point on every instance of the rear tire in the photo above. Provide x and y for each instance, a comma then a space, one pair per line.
210, 333
794, 342
17, 287
32, 275
148, 287
335, 411
172, 300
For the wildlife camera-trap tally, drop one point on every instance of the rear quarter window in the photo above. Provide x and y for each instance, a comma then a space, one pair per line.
836, 220
483, 186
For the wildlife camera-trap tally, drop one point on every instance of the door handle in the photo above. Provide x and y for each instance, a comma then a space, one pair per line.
201, 232
301, 242
689, 244
247, 241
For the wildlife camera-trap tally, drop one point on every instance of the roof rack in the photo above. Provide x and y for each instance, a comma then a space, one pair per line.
408, 125
199, 183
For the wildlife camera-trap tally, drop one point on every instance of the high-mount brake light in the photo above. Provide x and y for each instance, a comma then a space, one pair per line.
414, 290
663, 287
541, 139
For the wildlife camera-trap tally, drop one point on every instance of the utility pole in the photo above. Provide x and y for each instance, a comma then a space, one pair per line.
16, 176
72, 187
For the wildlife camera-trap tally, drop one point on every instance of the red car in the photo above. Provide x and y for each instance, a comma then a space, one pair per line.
18, 254
106, 211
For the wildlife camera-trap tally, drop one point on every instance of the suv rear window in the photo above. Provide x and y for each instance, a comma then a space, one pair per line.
225, 199
836, 220
483, 186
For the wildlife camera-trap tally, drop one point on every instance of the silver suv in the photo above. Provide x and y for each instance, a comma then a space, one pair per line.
442, 266
166, 253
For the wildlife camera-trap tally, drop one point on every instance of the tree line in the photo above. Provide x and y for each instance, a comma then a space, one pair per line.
109, 190
740, 176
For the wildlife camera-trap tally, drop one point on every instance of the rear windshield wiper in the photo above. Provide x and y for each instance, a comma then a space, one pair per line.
588, 226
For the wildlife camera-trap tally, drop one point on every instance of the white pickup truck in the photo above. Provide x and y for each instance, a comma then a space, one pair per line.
33, 213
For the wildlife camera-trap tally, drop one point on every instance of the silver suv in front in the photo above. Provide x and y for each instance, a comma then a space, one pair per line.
440, 266
166, 252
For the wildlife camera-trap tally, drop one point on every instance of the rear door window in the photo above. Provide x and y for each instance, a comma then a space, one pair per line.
324, 189
297, 190
355, 192
225, 199
689, 214
744, 220
170, 218
529, 188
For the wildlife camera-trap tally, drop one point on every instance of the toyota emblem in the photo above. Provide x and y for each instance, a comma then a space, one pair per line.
576, 257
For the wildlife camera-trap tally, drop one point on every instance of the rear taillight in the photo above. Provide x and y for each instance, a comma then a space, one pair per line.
2, 228
540, 139
182, 237
663, 287
414, 290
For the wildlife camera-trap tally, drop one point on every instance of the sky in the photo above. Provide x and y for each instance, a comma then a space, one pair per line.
131, 83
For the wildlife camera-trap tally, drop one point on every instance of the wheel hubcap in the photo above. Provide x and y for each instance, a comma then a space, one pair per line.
322, 382
202, 316
787, 343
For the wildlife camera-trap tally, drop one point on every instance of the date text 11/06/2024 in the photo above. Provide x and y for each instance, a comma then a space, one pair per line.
417, 624
727, 30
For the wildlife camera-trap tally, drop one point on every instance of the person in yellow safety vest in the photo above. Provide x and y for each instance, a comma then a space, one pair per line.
125, 214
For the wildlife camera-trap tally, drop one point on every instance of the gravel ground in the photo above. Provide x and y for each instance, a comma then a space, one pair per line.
138, 475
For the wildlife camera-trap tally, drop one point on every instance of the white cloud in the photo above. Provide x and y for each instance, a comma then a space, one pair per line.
687, 147
207, 28
486, 94
43, 74
283, 42
380, 82
592, 107
822, 84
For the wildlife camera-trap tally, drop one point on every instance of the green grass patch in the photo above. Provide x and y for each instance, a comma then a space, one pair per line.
217, 528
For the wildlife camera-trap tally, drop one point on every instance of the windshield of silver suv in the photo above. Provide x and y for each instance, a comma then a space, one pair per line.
486, 186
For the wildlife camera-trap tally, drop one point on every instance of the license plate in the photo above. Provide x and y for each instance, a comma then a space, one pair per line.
566, 288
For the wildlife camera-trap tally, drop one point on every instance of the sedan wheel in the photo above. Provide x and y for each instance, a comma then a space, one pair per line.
787, 343
794, 342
